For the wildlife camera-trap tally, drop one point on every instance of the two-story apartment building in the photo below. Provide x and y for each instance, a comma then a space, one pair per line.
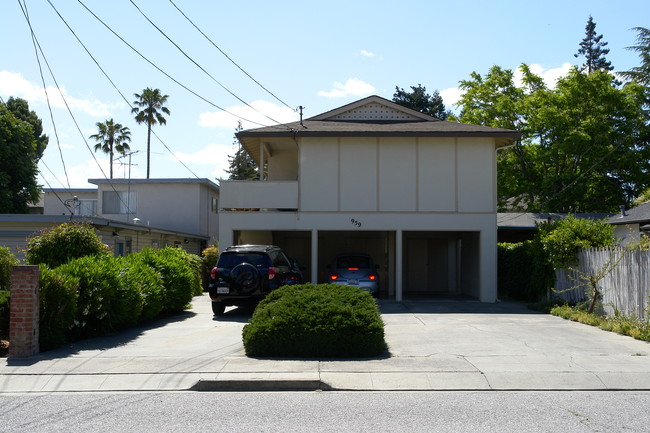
416, 193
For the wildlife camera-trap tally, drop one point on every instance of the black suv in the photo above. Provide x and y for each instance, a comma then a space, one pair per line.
246, 273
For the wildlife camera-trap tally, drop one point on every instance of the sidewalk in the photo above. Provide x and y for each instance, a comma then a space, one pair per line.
434, 345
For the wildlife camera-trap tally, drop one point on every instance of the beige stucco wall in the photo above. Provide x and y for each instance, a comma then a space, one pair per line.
397, 175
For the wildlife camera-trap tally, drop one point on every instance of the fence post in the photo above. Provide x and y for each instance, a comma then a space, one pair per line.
24, 309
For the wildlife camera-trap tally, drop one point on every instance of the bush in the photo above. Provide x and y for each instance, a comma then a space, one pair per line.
180, 275
63, 243
563, 239
209, 258
104, 303
325, 320
7, 261
58, 297
4, 313
148, 282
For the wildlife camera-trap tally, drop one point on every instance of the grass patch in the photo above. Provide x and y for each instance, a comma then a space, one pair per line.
624, 325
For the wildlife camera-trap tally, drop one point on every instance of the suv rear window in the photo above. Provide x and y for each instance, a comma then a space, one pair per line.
230, 260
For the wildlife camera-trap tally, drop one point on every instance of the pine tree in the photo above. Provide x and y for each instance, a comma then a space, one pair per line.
593, 49
242, 165
418, 99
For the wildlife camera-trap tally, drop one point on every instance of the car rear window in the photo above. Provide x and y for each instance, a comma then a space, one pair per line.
230, 260
353, 262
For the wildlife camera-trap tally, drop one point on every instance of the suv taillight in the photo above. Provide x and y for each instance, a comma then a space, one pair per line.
334, 277
372, 277
272, 273
213, 274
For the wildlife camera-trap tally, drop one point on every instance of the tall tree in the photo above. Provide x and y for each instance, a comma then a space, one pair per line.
20, 108
111, 137
593, 49
242, 165
19, 156
149, 109
418, 99
581, 149
641, 73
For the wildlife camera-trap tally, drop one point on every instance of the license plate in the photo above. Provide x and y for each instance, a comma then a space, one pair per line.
353, 282
223, 290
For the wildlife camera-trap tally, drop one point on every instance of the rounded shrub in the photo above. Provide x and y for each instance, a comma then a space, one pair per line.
7, 261
58, 298
67, 241
325, 320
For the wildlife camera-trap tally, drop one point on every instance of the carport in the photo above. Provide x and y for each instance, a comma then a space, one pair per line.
412, 264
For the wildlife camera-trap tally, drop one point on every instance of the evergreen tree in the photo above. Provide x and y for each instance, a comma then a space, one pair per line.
593, 49
418, 99
242, 165
111, 137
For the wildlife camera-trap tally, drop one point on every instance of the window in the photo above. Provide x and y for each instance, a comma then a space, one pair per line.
214, 205
87, 207
118, 202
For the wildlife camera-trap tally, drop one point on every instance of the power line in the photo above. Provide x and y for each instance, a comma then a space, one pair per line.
199, 66
228, 57
37, 44
112, 82
23, 7
165, 73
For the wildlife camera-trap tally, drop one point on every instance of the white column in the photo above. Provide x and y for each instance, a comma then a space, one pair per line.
398, 266
488, 265
314, 256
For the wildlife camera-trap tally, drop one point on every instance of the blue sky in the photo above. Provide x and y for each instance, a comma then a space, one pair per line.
319, 55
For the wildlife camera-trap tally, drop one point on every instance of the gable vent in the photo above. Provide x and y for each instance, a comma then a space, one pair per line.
376, 112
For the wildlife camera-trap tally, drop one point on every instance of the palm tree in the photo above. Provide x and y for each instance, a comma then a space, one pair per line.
148, 107
111, 137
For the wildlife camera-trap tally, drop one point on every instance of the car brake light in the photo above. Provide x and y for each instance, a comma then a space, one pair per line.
213, 274
372, 277
272, 273
334, 277
353, 269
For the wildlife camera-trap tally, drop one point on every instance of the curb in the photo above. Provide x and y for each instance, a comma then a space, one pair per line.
260, 385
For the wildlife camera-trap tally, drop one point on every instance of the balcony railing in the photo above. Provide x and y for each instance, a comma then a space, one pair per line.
257, 195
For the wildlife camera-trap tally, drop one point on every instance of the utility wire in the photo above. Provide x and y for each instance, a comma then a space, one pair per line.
228, 57
165, 73
199, 66
23, 7
37, 44
113, 83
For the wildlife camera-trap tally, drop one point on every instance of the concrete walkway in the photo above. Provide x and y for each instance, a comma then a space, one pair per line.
434, 345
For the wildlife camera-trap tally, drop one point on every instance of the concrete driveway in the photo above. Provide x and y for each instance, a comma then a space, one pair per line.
434, 345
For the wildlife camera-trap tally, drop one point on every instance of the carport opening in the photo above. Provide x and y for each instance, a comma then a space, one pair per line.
379, 245
441, 264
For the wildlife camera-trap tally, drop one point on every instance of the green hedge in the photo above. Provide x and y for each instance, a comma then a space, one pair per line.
4, 313
325, 320
95, 295
7, 261
523, 272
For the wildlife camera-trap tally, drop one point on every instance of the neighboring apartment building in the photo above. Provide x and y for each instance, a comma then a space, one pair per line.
127, 215
185, 205
416, 193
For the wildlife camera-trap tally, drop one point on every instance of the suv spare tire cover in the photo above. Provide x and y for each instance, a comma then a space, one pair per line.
245, 277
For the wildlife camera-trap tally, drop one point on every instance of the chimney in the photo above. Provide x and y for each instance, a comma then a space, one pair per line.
622, 208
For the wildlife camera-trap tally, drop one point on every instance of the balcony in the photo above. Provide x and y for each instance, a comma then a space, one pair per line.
258, 195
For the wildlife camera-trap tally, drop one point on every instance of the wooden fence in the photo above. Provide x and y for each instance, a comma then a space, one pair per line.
625, 282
